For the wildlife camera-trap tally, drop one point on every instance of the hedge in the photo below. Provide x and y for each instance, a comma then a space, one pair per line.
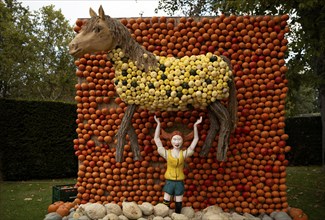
305, 139
37, 140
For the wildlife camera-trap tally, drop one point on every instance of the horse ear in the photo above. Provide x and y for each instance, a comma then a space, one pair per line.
101, 13
92, 13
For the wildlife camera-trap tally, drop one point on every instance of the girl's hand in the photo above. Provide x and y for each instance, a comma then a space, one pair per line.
198, 121
156, 119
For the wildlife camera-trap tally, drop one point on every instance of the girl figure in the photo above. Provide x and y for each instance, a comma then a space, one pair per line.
175, 162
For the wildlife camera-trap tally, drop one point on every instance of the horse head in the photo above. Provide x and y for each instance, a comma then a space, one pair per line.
94, 36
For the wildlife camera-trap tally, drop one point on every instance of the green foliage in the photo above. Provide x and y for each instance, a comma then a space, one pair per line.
35, 63
191, 8
37, 140
14, 47
306, 55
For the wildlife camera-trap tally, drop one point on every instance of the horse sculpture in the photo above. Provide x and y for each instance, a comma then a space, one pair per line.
161, 83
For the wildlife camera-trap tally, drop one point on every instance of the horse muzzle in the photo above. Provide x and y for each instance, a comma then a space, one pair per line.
74, 50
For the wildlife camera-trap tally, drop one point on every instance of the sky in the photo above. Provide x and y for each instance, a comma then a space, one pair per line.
73, 9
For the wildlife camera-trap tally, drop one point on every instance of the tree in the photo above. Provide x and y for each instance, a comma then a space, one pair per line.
14, 38
307, 47
35, 63
55, 66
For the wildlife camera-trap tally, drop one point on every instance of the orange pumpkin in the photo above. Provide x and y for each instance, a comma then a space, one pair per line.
303, 216
63, 210
53, 207
69, 205
293, 212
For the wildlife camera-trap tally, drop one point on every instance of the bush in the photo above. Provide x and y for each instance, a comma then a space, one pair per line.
305, 138
37, 140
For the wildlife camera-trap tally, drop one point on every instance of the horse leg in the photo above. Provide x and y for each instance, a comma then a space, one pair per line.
121, 134
224, 119
213, 130
232, 104
134, 143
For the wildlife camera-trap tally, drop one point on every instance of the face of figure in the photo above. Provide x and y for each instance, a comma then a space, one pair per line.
177, 141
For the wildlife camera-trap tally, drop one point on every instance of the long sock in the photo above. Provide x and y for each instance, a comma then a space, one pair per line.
178, 207
166, 202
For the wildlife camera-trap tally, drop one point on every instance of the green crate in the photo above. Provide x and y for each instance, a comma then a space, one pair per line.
65, 193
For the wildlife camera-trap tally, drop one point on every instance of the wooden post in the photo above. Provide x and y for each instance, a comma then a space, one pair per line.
213, 130
121, 134
224, 119
134, 143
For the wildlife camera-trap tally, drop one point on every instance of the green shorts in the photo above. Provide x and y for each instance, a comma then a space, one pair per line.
175, 188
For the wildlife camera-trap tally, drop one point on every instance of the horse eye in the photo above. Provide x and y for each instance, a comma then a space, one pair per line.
96, 29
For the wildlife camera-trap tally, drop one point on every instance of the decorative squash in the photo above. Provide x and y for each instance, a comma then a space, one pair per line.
95, 211
69, 205
63, 210
53, 216
53, 207
297, 214
303, 216
281, 216
293, 212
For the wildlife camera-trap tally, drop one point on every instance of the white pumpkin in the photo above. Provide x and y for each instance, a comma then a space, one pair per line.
131, 210
111, 216
95, 211
214, 216
176, 216
146, 208
122, 217
113, 208
282, 216
188, 212
53, 216
160, 210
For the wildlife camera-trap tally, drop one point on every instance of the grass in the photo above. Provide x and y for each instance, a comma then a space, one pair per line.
306, 190
29, 200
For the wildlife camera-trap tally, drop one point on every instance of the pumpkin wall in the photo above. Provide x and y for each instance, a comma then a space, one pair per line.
252, 180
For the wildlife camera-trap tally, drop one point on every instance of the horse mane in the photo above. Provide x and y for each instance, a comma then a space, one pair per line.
124, 40
130, 47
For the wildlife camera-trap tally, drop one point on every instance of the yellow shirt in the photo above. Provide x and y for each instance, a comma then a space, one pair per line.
175, 167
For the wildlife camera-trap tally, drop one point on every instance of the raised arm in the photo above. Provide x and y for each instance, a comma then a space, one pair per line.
157, 134
196, 134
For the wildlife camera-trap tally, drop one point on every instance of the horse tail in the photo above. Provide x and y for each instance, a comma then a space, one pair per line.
232, 100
